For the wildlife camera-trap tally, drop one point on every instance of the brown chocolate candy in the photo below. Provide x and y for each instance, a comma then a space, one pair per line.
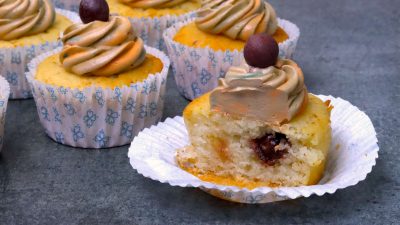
264, 147
261, 50
91, 10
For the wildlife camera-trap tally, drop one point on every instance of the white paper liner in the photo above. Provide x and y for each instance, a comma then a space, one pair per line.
14, 61
197, 70
97, 117
4, 95
352, 155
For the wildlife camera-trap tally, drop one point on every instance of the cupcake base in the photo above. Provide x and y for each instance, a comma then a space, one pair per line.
97, 117
215, 154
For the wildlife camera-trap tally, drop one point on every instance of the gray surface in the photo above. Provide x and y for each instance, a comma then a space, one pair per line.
349, 49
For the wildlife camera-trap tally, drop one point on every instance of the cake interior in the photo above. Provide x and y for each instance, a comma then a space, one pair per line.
248, 153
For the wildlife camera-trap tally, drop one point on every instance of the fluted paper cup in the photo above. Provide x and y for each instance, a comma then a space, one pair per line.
4, 95
97, 117
14, 61
352, 155
197, 70
151, 29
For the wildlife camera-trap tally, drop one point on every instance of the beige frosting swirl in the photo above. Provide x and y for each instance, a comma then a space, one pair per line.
20, 18
237, 19
274, 95
102, 48
152, 3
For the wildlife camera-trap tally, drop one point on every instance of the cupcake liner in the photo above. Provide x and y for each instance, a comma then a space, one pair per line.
352, 155
151, 29
197, 70
14, 61
97, 117
4, 94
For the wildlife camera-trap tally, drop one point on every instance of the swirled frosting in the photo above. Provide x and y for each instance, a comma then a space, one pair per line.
237, 19
274, 95
102, 48
19, 18
152, 3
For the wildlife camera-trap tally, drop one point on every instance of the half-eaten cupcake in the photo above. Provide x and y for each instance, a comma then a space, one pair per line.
260, 126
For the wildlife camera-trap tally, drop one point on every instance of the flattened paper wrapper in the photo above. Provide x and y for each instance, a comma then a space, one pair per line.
14, 61
4, 94
352, 155
149, 29
197, 70
97, 117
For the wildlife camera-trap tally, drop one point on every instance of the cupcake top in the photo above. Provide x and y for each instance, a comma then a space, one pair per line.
19, 18
102, 48
237, 19
274, 94
145, 4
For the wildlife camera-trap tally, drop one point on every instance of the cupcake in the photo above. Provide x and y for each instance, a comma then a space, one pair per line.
260, 137
102, 87
260, 127
28, 28
4, 94
149, 17
203, 48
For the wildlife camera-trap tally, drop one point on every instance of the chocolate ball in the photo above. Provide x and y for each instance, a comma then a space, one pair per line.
91, 10
261, 50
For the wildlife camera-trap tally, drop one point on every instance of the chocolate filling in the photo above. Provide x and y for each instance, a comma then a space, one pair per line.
270, 147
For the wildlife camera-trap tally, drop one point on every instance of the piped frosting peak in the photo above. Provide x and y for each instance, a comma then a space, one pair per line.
237, 19
274, 95
19, 18
102, 48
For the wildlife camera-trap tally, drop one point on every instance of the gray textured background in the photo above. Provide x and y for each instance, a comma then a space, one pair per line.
347, 48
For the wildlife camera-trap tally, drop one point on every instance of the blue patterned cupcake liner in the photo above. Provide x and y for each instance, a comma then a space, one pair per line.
97, 117
149, 29
197, 70
4, 95
14, 61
